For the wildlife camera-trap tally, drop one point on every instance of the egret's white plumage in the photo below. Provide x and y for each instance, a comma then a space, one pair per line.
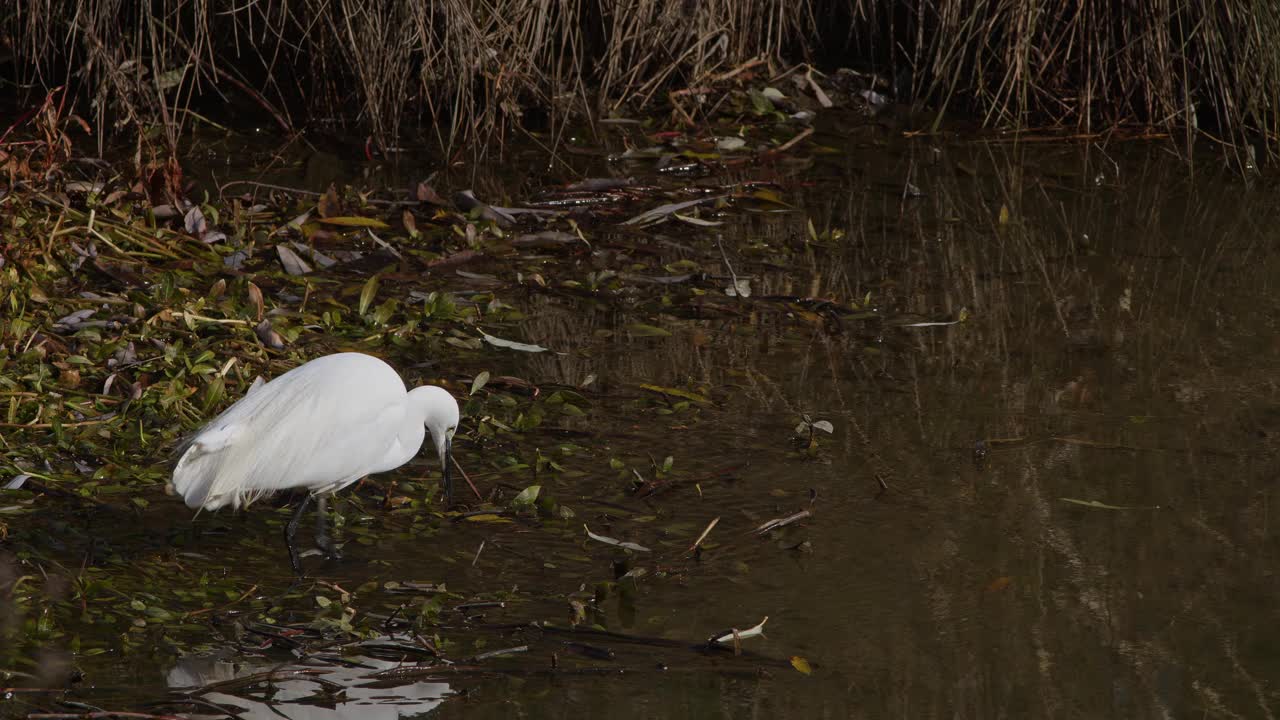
321, 427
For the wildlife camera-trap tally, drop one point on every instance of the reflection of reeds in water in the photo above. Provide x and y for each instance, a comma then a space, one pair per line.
1120, 348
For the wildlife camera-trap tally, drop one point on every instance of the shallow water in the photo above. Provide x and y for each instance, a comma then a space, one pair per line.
1059, 507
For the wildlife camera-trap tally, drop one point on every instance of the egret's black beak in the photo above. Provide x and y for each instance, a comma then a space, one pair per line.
447, 459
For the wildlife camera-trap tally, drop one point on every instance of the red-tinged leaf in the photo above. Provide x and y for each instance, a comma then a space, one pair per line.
428, 194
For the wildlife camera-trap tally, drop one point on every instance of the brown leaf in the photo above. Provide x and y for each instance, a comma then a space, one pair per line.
268, 335
458, 258
428, 194
999, 584
410, 223
328, 205
69, 377
255, 297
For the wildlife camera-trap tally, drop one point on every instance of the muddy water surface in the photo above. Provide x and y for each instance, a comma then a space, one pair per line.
1051, 376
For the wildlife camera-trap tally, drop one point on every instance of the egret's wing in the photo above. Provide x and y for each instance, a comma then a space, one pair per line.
318, 427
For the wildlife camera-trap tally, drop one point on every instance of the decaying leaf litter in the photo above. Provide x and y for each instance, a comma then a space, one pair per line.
131, 321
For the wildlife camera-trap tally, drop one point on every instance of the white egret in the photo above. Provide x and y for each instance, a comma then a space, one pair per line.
320, 427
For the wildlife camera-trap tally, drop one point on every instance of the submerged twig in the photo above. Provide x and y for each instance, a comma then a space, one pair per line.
703, 536
467, 478
782, 522
499, 653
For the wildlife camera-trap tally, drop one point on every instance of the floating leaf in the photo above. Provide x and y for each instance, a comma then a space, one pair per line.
769, 196
642, 330
825, 426
481, 380
268, 335
522, 347
255, 297
367, 295
760, 102
615, 543
801, 664
1004, 214
677, 392
662, 212
697, 221
356, 221
999, 584
526, 497
194, 222
316, 256
731, 143
741, 288
742, 634
299, 221
488, 518
293, 264
427, 194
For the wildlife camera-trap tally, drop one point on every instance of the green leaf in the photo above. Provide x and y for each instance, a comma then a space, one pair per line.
481, 380
367, 295
526, 497
487, 518
760, 102
356, 221
677, 392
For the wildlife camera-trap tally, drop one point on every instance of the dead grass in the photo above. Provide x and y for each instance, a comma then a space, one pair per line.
476, 70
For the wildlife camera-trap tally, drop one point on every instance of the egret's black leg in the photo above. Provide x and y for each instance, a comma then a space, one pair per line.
322, 529
292, 529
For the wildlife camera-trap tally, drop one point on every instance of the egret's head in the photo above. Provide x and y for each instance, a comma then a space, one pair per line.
440, 414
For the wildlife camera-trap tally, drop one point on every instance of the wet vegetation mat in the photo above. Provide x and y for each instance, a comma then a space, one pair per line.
798, 414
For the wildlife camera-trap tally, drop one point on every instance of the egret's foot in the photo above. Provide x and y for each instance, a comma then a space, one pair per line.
328, 547
323, 541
